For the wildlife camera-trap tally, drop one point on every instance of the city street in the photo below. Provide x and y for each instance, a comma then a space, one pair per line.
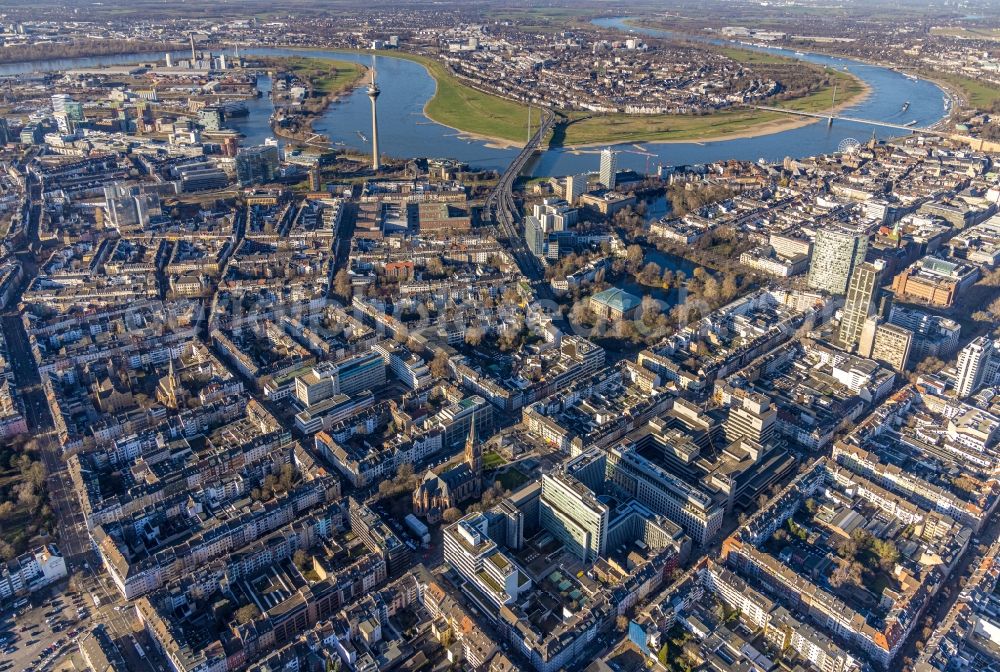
46, 633
642, 340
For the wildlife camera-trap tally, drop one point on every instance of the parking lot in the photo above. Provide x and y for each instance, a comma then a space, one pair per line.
44, 637
38, 637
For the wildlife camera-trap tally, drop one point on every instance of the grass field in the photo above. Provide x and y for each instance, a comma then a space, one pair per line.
968, 33
848, 87
463, 108
751, 57
538, 19
619, 128
978, 94
512, 479
327, 76
493, 460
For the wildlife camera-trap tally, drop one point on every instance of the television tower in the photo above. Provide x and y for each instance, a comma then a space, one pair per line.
373, 93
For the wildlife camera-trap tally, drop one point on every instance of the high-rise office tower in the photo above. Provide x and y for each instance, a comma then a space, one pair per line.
573, 515
257, 165
891, 345
609, 167
576, 185
473, 555
59, 102
170, 60
194, 57
373, 94
534, 235
835, 254
860, 303
973, 362
752, 417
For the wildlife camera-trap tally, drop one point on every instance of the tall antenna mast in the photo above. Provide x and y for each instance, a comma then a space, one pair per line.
373, 94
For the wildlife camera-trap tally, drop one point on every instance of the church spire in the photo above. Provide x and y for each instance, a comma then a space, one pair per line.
170, 386
473, 451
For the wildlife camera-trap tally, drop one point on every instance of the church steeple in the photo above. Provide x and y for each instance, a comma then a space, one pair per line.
473, 450
169, 386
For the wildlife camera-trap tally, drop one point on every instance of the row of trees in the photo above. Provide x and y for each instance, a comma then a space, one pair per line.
405, 481
572, 263
982, 301
491, 496
78, 48
24, 508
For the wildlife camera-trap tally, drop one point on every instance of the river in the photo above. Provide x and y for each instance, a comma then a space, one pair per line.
889, 90
404, 130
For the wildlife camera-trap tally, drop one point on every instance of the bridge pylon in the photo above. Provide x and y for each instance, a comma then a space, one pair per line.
833, 104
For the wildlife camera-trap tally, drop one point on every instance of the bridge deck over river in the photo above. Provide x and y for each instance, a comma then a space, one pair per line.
857, 120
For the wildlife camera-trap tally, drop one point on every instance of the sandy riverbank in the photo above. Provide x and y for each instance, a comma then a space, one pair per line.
491, 142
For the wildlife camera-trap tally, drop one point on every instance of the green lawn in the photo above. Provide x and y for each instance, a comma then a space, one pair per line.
751, 57
978, 94
848, 87
463, 108
540, 19
493, 460
617, 128
326, 75
512, 479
